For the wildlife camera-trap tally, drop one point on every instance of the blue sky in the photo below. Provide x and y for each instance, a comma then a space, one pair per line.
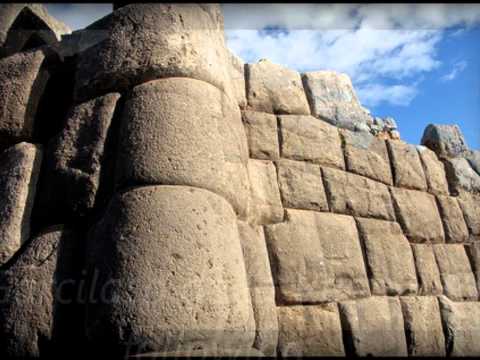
419, 64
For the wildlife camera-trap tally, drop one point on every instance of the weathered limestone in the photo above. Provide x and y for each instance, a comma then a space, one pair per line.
308, 139
261, 287
19, 170
333, 99
374, 326
473, 158
423, 326
310, 331
473, 252
301, 185
389, 258
461, 176
143, 42
316, 257
356, 195
470, 205
407, 167
237, 74
75, 158
434, 171
462, 323
445, 140
30, 286
454, 224
418, 214
265, 204
181, 131
262, 135
22, 82
169, 271
275, 89
367, 155
455, 271
429, 282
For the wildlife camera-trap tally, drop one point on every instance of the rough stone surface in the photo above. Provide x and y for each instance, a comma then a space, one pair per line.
181, 131
473, 157
75, 158
310, 331
171, 259
470, 205
22, 82
275, 89
367, 155
389, 258
143, 42
445, 140
407, 167
265, 204
333, 99
429, 282
473, 252
262, 291
309, 139
434, 171
462, 323
423, 326
461, 176
19, 170
237, 74
262, 135
316, 257
455, 271
374, 326
301, 185
418, 214
356, 195
454, 224
29, 287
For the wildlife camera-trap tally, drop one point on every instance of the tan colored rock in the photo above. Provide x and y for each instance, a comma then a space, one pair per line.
265, 205
389, 258
367, 155
462, 323
333, 99
19, 170
423, 326
184, 132
76, 159
429, 282
308, 139
301, 185
142, 42
22, 83
275, 89
374, 326
445, 140
407, 167
473, 252
418, 215
313, 330
171, 260
262, 135
434, 171
32, 286
262, 291
316, 257
455, 271
237, 74
200, 353
470, 205
454, 224
356, 195
461, 176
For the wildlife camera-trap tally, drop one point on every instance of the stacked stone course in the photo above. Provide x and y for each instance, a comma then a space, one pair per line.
212, 207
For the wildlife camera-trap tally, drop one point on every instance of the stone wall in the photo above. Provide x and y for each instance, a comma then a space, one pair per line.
161, 197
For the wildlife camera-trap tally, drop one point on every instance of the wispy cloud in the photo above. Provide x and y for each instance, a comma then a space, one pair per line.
457, 68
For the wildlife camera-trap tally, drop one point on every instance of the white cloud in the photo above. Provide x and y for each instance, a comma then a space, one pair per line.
458, 67
371, 43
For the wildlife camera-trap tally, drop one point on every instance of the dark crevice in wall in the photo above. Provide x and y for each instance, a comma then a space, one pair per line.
347, 334
368, 268
390, 161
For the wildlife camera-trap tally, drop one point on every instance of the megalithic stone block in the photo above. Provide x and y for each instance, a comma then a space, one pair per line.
168, 273
445, 140
434, 171
407, 167
180, 131
19, 169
